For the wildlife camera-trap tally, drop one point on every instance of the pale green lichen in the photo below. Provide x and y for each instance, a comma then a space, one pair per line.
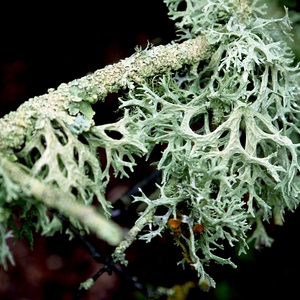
5, 253
87, 284
223, 107
58, 158
229, 132
54, 137
38, 195
77, 96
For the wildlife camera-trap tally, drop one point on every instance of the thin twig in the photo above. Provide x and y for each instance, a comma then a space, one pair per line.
80, 292
110, 266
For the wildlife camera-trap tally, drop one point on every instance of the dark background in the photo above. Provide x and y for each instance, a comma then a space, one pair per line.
44, 45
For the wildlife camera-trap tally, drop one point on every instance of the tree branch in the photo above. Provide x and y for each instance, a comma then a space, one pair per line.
78, 95
62, 201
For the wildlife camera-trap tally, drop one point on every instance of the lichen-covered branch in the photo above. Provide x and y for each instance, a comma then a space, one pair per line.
78, 95
229, 129
131, 236
63, 202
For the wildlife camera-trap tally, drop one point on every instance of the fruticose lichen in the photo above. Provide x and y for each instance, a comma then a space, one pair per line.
229, 130
223, 108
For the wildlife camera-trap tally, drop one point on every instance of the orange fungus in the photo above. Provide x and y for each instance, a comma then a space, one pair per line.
198, 228
174, 223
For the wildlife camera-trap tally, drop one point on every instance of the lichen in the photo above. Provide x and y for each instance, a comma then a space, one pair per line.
223, 108
229, 132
